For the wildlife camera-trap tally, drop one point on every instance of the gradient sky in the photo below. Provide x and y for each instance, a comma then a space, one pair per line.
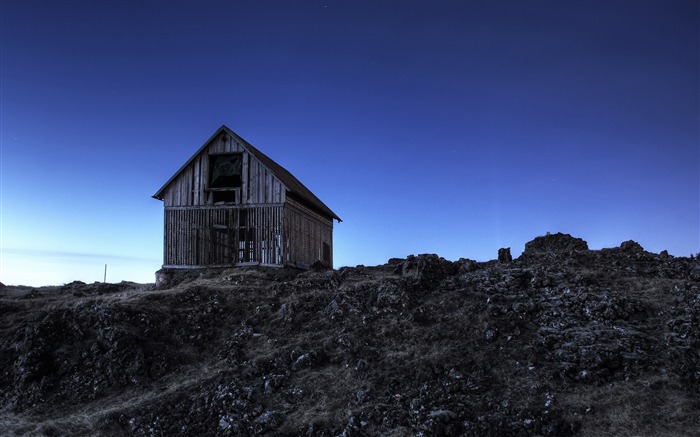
453, 128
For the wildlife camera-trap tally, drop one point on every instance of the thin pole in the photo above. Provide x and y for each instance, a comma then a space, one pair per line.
105, 279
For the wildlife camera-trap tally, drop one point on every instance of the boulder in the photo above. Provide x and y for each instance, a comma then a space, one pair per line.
426, 269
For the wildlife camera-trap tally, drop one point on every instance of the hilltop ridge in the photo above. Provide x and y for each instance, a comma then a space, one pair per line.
560, 341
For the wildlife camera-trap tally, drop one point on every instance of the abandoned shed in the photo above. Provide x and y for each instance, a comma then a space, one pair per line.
230, 205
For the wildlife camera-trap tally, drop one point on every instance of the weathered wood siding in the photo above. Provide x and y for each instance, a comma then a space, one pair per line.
259, 185
224, 236
307, 232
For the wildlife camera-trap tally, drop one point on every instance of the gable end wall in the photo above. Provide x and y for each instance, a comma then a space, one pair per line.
259, 185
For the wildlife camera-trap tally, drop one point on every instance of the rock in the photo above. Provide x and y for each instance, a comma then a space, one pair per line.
631, 246
163, 278
490, 334
426, 269
555, 243
320, 266
504, 255
442, 414
464, 265
266, 422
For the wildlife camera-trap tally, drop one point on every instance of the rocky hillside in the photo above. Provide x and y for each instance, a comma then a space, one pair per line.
561, 341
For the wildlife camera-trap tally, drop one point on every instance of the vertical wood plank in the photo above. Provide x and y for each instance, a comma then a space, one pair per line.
196, 195
204, 171
187, 185
166, 237
261, 184
176, 193
254, 183
246, 184
188, 237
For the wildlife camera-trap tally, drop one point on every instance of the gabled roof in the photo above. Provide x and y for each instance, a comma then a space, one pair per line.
292, 184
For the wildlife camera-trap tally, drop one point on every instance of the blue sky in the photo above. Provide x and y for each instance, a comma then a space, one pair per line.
453, 128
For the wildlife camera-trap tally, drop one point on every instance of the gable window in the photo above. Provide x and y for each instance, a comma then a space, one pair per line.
225, 177
225, 171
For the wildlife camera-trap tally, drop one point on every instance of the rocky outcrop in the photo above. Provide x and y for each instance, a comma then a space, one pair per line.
504, 255
425, 270
554, 243
631, 246
590, 342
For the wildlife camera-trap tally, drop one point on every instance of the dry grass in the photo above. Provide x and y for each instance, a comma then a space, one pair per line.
87, 419
646, 407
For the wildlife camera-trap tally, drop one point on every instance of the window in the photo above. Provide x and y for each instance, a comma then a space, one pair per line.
225, 179
225, 171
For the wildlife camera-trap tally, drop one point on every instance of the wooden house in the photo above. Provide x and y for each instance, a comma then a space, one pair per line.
231, 205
